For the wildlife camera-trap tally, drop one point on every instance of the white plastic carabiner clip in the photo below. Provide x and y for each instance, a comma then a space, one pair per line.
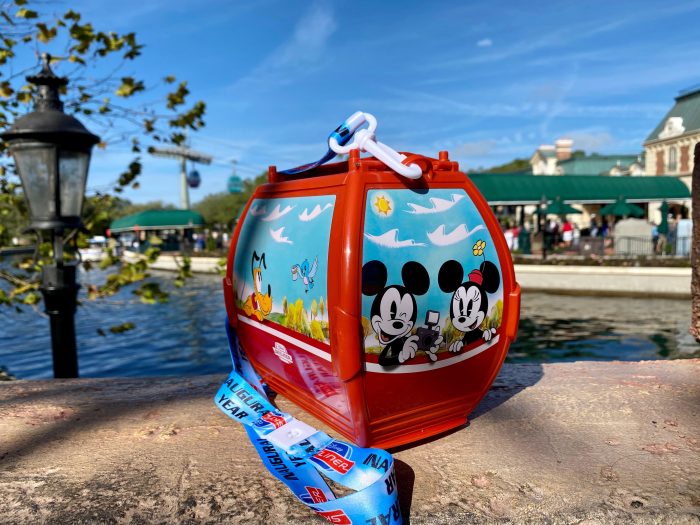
364, 140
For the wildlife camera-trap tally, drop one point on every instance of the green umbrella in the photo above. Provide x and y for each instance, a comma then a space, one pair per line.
559, 207
663, 225
622, 208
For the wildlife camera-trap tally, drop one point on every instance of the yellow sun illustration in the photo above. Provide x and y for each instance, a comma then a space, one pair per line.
383, 205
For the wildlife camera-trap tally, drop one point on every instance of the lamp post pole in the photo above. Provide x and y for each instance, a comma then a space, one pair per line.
543, 226
52, 152
60, 291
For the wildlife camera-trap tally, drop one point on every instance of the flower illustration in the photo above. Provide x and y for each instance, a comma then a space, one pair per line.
478, 248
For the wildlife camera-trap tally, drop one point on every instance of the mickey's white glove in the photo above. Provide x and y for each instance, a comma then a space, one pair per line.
488, 334
456, 346
410, 347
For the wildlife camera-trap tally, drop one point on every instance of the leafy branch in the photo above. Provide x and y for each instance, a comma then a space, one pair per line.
117, 104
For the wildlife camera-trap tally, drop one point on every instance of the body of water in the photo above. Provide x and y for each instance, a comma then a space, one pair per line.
186, 336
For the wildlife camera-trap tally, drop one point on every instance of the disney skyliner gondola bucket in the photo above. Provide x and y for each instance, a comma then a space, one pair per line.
376, 293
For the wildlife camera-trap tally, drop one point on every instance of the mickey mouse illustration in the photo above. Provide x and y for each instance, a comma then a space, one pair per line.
469, 299
394, 311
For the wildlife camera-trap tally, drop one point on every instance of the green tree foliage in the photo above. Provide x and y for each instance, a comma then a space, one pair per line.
111, 100
224, 208
100, 210
513, 165
131, 208
524, 164
13, 210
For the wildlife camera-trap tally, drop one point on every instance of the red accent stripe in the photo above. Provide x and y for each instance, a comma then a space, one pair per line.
323, 347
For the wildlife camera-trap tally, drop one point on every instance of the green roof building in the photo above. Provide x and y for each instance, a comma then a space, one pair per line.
170, 230
158, 220
512, 189
559, 160
602, 165
669, 147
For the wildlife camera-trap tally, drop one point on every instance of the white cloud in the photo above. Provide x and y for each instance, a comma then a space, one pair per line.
256, 211
306, 216
407, 101
276, 213
484, 42
438, 205
478, 148
460, 233
591, 141
390, 240
278, 237
304, 51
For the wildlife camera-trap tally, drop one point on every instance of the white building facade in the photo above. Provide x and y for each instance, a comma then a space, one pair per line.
669, 147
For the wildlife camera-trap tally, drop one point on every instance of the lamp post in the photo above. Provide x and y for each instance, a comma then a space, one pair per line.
52, 153
543, 225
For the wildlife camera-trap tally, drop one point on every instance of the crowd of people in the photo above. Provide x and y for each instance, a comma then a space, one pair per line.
561, 233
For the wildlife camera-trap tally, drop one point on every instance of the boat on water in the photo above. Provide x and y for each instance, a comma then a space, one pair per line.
96, 250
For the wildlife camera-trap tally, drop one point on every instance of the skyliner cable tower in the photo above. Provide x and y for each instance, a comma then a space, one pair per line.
183, 154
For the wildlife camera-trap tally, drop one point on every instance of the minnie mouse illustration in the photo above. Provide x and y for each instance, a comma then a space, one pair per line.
394, 311
469, 298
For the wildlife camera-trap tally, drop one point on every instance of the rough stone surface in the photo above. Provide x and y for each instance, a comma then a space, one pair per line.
580, 443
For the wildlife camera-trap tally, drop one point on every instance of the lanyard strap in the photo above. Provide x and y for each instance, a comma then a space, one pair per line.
297, 454
363, 140
342, 135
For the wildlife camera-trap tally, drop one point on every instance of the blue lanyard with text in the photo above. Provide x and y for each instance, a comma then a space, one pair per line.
297, 454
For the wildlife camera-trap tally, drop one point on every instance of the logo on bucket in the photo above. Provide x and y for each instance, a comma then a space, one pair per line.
272, 420
281, 351
335, 456
336, 516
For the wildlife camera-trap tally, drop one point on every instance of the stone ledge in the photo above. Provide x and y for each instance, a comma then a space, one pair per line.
610, 281
588, 443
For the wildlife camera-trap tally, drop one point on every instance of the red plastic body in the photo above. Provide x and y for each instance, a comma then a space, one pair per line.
339, 380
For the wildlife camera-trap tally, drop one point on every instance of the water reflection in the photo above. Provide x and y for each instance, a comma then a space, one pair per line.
182, 337
186, 335
562, 328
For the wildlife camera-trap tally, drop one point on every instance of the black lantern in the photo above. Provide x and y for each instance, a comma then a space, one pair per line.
52, 153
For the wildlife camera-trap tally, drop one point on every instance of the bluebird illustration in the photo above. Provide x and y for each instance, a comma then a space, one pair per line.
307, 274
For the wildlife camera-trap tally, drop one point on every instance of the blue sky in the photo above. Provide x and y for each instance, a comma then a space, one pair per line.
488, 81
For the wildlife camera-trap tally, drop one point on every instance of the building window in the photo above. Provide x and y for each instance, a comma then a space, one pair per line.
672, 159
660, 162
684, 168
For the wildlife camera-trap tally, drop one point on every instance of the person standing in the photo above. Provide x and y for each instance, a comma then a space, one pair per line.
567, 233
